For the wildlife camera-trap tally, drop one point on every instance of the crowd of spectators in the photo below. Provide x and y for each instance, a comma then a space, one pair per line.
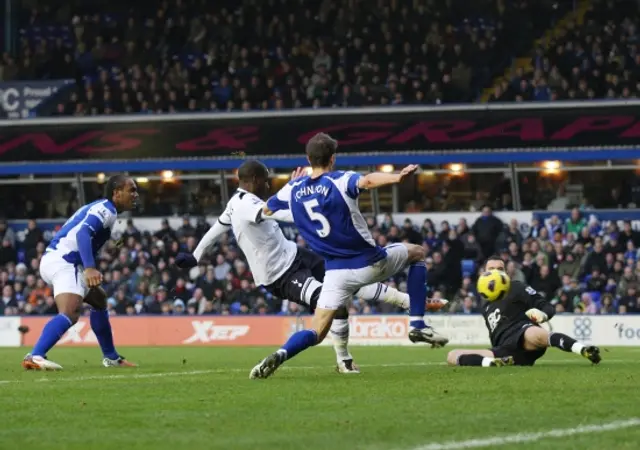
581, 266
193, 55
598, 59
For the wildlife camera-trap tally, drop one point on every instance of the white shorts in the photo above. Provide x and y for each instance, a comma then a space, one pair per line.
64, 277
339, 286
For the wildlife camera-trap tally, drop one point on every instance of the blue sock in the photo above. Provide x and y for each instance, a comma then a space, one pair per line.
417, 289
298, 342
51, 333
102, 328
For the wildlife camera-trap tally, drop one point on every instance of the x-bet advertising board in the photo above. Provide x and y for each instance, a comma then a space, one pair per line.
463, 330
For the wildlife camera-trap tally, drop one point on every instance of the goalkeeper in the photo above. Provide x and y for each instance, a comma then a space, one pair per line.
513, 323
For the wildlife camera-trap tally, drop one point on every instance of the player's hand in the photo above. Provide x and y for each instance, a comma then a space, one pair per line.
266, 211
92, 277
536, 316
298, 173
186, 260
409, 170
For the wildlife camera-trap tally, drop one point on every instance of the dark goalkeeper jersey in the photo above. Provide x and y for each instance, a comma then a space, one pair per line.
506, 316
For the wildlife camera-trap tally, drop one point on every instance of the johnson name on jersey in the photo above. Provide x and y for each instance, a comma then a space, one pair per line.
325, 210
97, 218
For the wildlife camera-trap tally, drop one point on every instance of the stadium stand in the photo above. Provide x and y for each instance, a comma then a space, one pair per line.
193, 56
581, 265
189, 55
595, 56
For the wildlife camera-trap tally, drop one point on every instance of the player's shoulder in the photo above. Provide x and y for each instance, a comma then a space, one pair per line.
248, 197
340, 174
521, 290
297, 181
102, 208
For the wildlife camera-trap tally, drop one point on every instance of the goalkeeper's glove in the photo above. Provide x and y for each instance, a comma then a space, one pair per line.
537, 316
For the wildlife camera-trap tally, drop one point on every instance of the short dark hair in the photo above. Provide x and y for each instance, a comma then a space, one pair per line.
251, 169
320, 149
494, 258
115, 183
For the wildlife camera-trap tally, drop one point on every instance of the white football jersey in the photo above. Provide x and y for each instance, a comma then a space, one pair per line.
268, 252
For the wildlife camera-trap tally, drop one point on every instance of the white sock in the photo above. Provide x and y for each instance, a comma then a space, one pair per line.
309, 287
577, 348
486, 362
381, 292
340, 336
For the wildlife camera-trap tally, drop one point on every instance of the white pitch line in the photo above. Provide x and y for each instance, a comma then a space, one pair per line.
132, 375
521, 438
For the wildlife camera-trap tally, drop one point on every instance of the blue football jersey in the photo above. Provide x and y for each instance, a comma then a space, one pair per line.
326, 212
98, 217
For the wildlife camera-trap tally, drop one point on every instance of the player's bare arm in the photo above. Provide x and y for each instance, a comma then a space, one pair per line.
378, 179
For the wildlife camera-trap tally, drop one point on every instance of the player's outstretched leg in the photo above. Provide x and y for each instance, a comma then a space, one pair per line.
568, 344
69, 312
537, 337
297, 343
479, 358
417, 288
379, 292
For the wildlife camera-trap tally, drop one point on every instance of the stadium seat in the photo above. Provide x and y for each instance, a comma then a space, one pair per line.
468, 267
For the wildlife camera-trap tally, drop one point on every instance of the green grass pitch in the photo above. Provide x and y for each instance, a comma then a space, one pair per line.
405, 399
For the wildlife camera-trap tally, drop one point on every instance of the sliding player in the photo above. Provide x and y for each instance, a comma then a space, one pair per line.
513, 314
283, 268
69, 266
325, 209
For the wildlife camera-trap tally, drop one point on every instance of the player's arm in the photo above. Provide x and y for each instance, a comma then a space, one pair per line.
378, 179
210, 238
98, 218
222, 226
284, 215
540, 310
277, 206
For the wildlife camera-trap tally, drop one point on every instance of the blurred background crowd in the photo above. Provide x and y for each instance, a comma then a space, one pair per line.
580, 265
172, 56
192, 55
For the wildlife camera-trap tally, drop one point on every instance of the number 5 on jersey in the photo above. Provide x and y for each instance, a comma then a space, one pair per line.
309, 205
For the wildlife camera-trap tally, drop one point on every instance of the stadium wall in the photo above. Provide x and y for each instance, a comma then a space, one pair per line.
464, 134
463, 330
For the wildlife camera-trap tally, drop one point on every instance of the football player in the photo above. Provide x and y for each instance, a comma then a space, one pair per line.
278, 264
513, 321
324, 206
69, 266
